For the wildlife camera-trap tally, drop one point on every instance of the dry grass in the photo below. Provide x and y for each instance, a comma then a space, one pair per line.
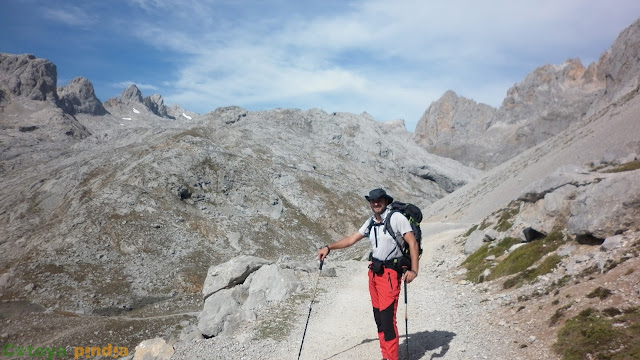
593, 334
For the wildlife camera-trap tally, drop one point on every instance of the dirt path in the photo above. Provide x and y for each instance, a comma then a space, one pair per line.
445, 319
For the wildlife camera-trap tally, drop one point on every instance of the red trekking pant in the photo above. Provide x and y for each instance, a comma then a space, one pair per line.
385, 291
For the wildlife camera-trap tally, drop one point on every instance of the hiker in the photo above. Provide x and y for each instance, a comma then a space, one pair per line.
387, 267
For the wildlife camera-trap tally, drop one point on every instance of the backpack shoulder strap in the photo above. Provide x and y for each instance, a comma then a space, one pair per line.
389, 229
369, 227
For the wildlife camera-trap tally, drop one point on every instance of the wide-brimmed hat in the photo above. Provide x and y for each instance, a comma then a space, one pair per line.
377, 194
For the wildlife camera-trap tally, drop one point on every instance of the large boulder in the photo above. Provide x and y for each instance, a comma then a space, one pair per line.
607, 208
474, 242
270, 283
153, 349
217, 308
238, 288
231, 273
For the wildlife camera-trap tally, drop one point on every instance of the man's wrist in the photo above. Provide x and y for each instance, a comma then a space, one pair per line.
328, 249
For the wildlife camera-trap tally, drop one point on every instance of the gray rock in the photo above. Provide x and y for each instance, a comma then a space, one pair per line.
28, 77
215, 311
607, 208
231, 273
550, 99
567, 250
5, 279
190, 334
474, 242
490, 235
515, 246
270, 283
620, 66
153, 349
572, 176
611, 243
155, 103
132, 94
79, 97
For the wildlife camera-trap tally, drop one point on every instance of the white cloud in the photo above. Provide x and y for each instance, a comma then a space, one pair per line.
126, 84
391, 59
70, 15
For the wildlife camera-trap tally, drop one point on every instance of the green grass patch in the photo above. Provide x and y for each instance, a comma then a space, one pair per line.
600, 335
485, 224
600, 292
470, 231
506, 216
559, 314
630, 166
546, 266
525, 256
476, 263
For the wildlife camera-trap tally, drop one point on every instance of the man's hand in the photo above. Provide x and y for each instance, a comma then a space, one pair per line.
409, 275
323, 252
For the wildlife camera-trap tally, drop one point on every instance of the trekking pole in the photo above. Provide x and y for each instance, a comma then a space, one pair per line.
310, 304
406, 319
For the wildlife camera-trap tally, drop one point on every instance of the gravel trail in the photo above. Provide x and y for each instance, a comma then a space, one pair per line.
446, 319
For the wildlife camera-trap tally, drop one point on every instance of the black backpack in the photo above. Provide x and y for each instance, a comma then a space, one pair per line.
414, 215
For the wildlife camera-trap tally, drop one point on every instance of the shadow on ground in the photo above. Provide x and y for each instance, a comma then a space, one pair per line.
419, 344
422, 342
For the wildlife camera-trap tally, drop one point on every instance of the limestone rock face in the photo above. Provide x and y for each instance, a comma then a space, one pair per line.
79, 97
620, 67
147, 205
546, 102
28, 77
450, 117
155, 103
607, 208
131, 105
131, 94
179, 113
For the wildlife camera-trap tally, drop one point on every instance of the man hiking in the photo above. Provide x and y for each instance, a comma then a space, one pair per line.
388, 268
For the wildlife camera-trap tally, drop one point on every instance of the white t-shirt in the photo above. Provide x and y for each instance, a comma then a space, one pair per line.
383, 244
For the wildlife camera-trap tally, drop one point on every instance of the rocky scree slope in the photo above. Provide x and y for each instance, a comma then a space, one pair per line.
576, 263
546, 102
105, 214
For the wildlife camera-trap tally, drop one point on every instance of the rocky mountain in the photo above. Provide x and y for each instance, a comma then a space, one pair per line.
28, 77
108, 212
79, 97
545, 103
131, 105
133, 221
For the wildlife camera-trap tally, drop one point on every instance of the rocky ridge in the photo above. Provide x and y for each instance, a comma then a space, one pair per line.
131, 105
95, 221
546, 102
117, 216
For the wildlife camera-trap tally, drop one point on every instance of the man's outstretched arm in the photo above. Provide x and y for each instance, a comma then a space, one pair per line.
341, 244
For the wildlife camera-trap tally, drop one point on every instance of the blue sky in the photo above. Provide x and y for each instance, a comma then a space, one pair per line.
388, 58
